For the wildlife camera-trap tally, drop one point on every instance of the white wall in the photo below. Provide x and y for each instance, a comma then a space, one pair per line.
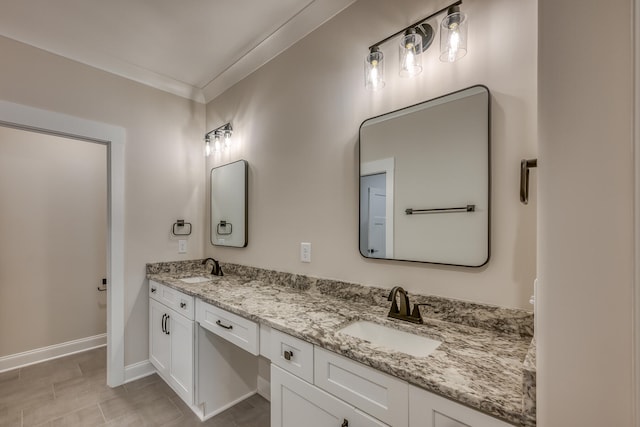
296, 121
54, 240
163, 156
586, 230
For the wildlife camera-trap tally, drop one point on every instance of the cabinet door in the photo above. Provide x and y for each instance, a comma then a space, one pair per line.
181, 334
430, 410
159, 343
295, 403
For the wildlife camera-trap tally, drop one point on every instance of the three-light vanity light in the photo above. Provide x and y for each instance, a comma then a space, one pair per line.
221, 139
416, 39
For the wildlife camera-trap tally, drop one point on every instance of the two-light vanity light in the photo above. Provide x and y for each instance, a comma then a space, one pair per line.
416, 39
221, 139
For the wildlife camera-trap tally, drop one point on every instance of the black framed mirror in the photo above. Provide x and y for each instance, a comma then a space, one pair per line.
229, 207
425, 181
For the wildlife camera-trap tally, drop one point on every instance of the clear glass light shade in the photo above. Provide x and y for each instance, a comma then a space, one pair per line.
374, 70
410, 58
227, 138
207, 146
217, 145
453, 37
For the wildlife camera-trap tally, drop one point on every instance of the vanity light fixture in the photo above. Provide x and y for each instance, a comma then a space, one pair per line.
225, 131
417, 38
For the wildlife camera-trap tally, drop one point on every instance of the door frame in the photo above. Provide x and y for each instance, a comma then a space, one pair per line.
636, 149
37, 120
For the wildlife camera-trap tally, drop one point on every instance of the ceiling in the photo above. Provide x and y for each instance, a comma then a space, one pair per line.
192, 48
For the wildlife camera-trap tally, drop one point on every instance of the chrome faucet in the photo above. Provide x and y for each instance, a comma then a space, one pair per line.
216, 270
402, 313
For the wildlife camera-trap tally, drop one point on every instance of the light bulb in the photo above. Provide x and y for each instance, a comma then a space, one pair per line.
454, 43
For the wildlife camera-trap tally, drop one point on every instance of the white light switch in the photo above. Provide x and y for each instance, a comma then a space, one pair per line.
305, 252
182, 246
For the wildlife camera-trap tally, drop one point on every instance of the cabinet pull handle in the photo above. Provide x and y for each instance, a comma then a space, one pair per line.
219, 323
288, 354
183, 304
162, 323
153, 290
345, 423
167, 324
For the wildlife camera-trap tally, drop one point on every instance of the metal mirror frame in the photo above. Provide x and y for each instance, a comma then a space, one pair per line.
489, 192
245, 201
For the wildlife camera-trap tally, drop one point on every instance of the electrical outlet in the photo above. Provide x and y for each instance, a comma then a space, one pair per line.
305, 252
182, 246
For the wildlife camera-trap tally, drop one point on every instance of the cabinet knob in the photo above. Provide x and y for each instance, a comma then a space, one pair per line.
345, 423
288, 354
153, 290
183, 304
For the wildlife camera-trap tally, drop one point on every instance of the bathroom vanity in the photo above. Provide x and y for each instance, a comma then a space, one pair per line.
320, 374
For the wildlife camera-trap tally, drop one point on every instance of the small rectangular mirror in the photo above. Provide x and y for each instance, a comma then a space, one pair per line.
424, 181
229, 204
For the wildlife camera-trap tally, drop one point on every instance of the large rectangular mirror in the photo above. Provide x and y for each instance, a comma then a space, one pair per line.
424, 181
229, 204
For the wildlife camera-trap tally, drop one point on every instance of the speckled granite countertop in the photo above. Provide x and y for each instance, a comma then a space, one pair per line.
480, 363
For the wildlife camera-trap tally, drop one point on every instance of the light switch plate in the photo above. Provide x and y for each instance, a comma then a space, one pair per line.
305, 252
182, 246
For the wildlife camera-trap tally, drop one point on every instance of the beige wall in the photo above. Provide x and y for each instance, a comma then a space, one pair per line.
53, 245
586, 172
163, 155
296, 121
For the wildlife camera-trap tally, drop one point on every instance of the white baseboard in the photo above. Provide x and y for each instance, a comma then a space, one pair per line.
264, 388
38, 355
138, 370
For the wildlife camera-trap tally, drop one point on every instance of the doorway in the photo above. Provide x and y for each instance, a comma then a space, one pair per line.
53, 223
48, 122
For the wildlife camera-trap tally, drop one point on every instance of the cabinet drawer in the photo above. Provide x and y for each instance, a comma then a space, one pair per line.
376, 393
292, 354
430, 410
235, 329
182, 303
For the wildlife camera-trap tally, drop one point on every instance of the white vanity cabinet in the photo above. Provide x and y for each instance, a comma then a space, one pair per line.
430, 410
171, 338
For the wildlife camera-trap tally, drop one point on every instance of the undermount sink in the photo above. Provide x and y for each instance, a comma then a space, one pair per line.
195, 279
390, 339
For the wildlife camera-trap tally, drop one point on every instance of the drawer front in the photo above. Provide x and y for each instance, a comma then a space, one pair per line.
236, 329
292, 354
376, 393
430, 410
182, 303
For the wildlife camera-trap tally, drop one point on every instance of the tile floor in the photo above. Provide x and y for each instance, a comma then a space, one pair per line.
72, 391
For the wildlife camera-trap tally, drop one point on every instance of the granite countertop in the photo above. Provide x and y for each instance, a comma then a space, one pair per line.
480, 363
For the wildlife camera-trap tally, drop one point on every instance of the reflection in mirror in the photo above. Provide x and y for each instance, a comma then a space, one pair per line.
424, 181
229, 204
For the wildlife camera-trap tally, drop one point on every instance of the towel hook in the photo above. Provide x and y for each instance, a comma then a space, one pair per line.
525, 165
